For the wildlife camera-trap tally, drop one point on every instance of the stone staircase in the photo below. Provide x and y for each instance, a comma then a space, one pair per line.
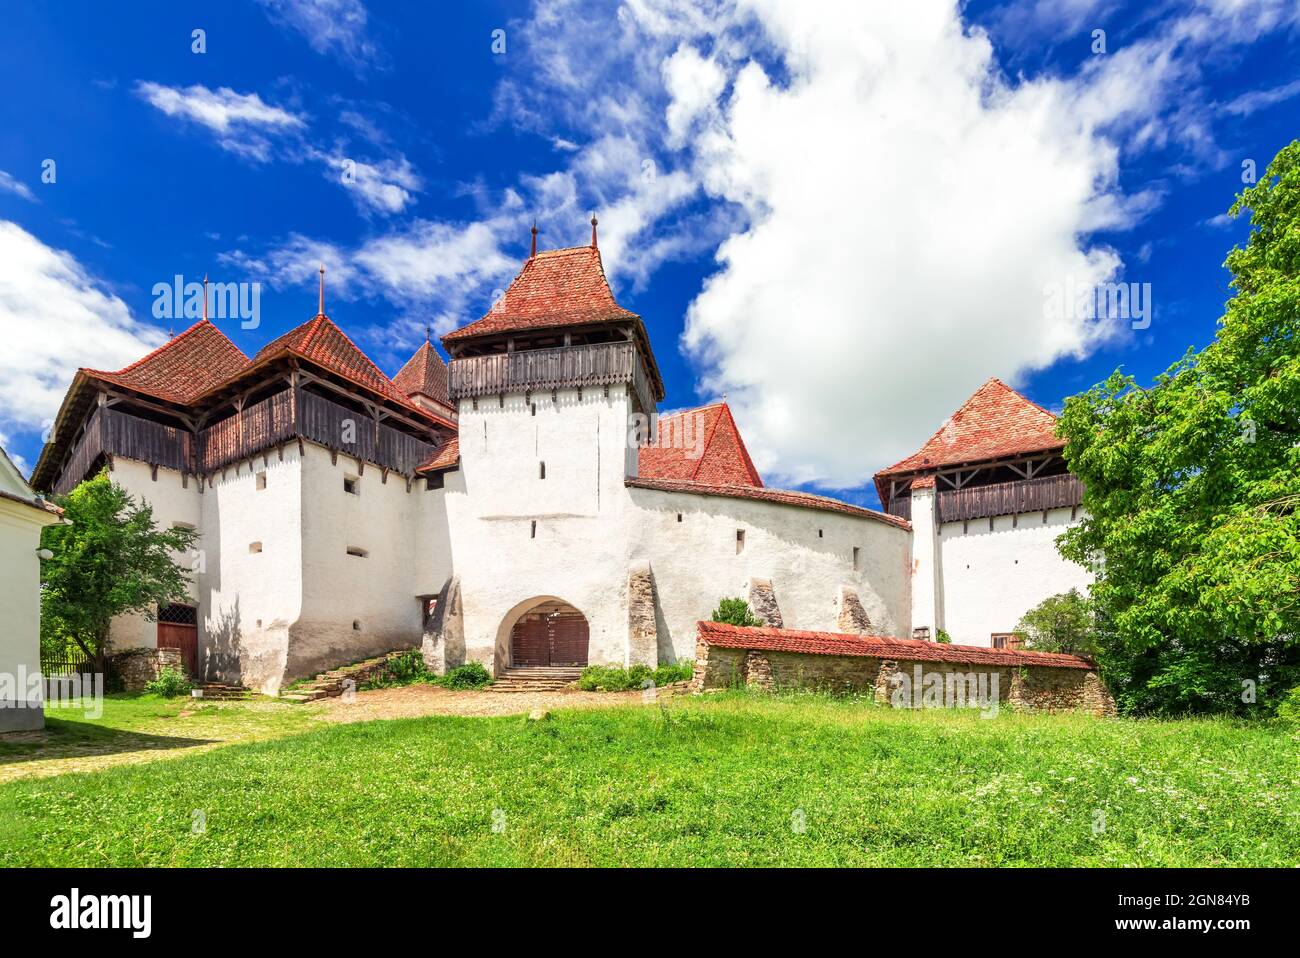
535, 679
217, 692
333, 683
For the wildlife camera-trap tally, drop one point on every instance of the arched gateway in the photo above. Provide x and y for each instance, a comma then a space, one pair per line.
551, 633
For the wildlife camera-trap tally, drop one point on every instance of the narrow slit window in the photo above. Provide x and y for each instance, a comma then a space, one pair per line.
532, 532
358, 552
820, 533
541, 470
679, 517
857, 552
740, 541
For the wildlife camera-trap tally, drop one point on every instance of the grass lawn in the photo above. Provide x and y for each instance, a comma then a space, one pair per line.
726, 780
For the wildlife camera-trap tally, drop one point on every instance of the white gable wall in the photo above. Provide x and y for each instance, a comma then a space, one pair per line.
992, 578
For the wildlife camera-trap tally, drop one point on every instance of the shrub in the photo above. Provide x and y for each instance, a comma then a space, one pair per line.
170, 683
942, 637
471, 675
1290, 707
734, 612
615, 678
405, 669
1061, 623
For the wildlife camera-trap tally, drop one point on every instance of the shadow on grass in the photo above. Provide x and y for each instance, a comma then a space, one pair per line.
62, 738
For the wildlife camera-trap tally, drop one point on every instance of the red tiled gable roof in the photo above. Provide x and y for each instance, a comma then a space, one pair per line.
424, 373
321, 342
559, 287
182, 368
994, 423
783, 497
447, 457
878, 647
699, 445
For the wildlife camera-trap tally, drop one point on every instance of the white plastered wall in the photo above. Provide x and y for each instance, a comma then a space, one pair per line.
696, 562
20, 612
990, 578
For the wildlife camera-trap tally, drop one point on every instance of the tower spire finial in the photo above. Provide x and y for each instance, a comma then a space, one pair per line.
320, 309
593, 230
205, 297
534, 250
428, 333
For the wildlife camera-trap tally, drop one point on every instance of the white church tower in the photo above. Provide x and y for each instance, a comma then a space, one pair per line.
987, 497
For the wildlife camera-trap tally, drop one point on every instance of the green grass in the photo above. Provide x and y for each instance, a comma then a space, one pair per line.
724, 780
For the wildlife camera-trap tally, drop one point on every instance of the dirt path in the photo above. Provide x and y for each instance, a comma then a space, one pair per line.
413, 701
175, 729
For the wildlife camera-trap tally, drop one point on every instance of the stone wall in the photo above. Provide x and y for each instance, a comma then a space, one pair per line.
903, 682
138, 667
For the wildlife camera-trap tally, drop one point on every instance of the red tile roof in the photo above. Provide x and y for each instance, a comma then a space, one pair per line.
181, 369
447, 457
425, 374
699, 445
559, 287
763, 494
879, 647
320, 341
994, 423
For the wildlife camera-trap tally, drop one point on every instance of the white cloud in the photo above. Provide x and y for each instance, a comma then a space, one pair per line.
55, 317
384, 186
888, 207
331, 27
241, 121
10, 185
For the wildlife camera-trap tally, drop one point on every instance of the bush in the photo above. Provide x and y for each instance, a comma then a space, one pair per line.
405, 669
1061, 623
471, 675
734, 612
1290, 707
170, 683
942, 637
615, 678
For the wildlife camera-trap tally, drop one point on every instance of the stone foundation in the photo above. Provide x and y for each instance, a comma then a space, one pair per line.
138, 667
912, 675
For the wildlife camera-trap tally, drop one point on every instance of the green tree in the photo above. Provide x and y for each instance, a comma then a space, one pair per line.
110, 561
1192, 489
734, 612
1060, 623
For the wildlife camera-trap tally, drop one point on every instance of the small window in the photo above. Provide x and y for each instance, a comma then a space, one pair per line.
857, 552
541, 470
356, 625
533, 408
679, 517
819, 534
740, 541
921, 632
359, 553
351, 485
254, 547
532, 534
261, 480
259, 623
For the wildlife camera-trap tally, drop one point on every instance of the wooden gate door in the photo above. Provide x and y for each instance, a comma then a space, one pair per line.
178, 629
568, 638
529, 643
549, 638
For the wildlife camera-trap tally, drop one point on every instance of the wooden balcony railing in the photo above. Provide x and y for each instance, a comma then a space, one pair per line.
1010, 498
901, 506
596, 364
257, 427
119, 433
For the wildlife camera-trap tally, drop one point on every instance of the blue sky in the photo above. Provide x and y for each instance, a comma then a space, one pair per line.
845, 217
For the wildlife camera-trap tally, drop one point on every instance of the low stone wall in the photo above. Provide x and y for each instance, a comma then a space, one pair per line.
901, 673
138, 667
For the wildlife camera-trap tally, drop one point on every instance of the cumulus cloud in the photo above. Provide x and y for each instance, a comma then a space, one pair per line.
55, 317
895, 209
